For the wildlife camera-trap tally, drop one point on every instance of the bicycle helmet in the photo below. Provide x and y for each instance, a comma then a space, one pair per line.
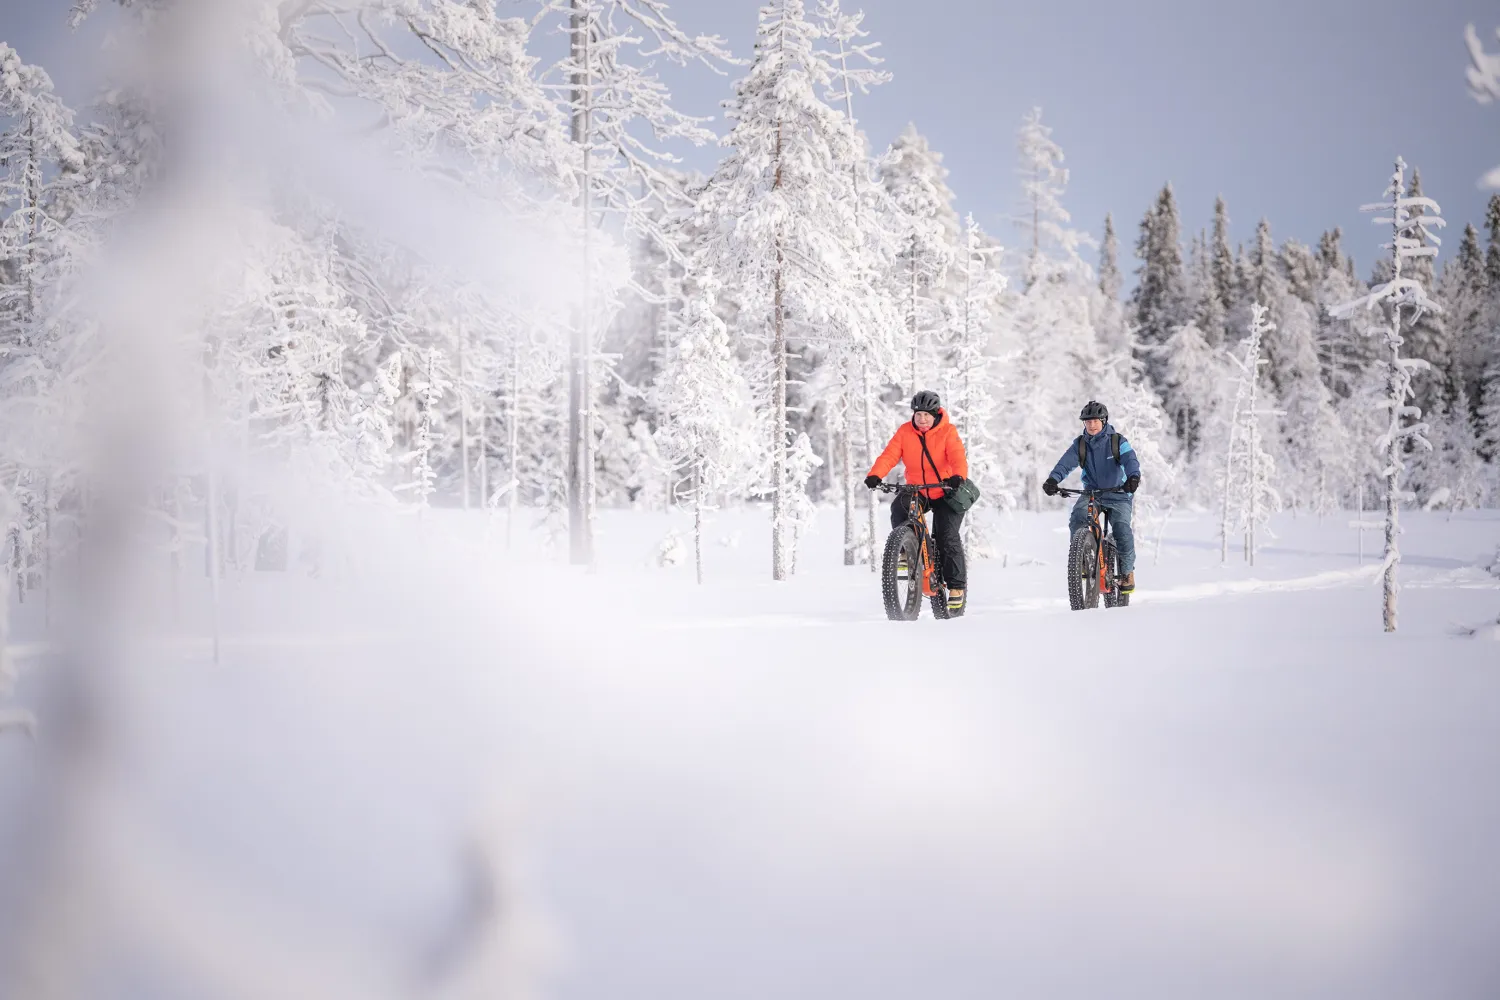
926, 400
1094, 411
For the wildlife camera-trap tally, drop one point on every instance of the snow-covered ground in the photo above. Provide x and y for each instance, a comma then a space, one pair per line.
1238, 787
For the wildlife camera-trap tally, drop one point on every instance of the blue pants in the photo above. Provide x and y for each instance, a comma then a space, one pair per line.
1120, 510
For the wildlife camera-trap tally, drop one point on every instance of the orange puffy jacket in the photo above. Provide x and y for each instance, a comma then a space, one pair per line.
906, 447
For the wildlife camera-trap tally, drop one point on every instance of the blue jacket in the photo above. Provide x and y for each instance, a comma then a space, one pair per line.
1100, 472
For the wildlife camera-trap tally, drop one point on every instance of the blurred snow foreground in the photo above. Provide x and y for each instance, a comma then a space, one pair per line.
455, 770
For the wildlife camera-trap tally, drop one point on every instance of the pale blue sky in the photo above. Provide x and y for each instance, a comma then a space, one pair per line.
1292, 109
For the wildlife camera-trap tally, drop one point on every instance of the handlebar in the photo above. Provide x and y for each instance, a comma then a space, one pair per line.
1063, 491
893, 487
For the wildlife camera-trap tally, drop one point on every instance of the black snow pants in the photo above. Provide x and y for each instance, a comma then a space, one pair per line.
950, 544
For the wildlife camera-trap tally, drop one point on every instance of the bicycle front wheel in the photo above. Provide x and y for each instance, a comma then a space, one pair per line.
1083, 571
901, 575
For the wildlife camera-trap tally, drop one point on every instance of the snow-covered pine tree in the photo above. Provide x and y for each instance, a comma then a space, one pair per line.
1221, 265
1428, 338
711, 428
1465, 294
1193, 375
778, 226
1044, 180
1249, 499
970, 379
1451, 475
1160, 297
40, 166
915, 181
1411, 239
863, 352
614, 98
1484, 83
1110, 323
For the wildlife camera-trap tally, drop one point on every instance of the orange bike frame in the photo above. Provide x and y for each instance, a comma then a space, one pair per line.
1099, 541
921, 518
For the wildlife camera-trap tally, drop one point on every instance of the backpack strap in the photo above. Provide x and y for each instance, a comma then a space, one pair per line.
928, 455
1115, 446
1083, 451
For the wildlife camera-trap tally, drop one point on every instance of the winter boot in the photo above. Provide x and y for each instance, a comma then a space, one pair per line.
956, 603
1127, 583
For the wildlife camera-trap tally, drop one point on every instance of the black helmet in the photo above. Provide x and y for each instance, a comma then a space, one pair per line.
1094, 411
927, 400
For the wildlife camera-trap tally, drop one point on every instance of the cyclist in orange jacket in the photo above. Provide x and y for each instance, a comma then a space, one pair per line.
929, 448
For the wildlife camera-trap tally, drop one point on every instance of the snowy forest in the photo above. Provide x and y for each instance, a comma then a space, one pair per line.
638, 335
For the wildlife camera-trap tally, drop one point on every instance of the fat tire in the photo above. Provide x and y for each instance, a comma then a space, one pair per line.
1111, 557
1083, 592
890, 586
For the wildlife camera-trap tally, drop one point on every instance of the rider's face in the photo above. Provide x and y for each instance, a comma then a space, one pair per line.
923, 420
1092, 427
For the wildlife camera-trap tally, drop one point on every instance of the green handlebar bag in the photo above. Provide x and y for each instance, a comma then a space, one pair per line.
964, 497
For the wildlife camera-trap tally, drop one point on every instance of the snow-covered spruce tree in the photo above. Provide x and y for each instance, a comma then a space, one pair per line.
1193, 377
1248, 498
1452, 474
1484, 83
779, 228
1046, 340
970, 381
1110, 321
802, 461
40, 167
1044, 180
710, 432
857, 357
614, 99
1465, 294
1210, 310
914, 178
1428, 338
1221, 267
1487, 434
1160, 300
1411, 239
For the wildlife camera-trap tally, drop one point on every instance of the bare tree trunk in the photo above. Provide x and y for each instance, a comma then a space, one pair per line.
869, 456
846, 470
780, 568
579, 443
1391, 585
514, 444
1254, 459
484, 449
698, 518
779, 565
463, 414
911, 315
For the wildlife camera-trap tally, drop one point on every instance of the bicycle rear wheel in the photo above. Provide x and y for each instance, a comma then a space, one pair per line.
1112, 597
1083, 571
901, 575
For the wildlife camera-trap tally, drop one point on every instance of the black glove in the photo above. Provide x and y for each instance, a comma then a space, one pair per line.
872, 481
1050, 487
1132, 484
953, 482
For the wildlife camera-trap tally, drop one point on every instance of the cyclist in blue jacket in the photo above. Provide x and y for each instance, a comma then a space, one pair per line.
1109, 462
